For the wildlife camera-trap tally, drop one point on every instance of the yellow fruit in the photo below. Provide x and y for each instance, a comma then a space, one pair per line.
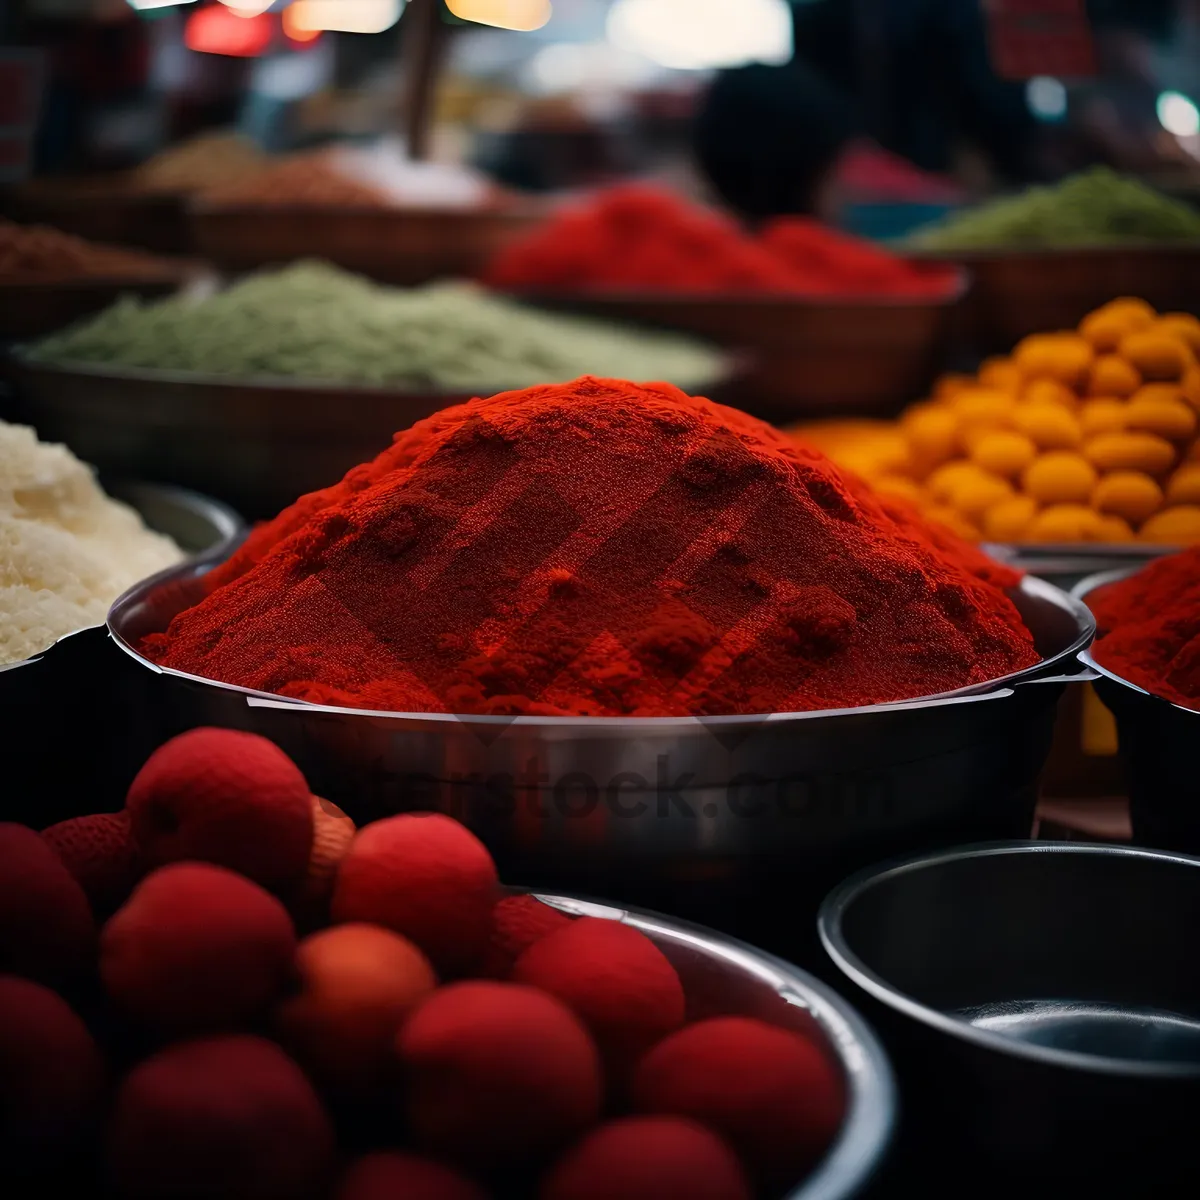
1184, 486
1002, 374
1008, 520
1128, 494
1157, 355
1115, 529
1048, 426
951, 384
1111, 375
1060, 477
982, 408
932, 439
1105, 327
1189, 386
973, 497
1065, 523
1102, 415
898, 485
1173, 527
1171, 419
1050, 391
1066, 357
948, 517
942, 483
1002, 452
1130, 452
1183, 326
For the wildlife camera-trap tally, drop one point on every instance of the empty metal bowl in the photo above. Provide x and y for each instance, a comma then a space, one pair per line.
723, 977
1041, 1003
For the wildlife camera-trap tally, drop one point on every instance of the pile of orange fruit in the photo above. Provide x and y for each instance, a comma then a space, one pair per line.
1086, 435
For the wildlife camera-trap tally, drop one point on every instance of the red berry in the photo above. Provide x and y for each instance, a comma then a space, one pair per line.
517, 922
394, 1176
101, 855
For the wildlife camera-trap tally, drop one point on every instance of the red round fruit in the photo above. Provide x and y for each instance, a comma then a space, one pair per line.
46, 927
648, 1158
426, 877
776, 1097
393, 1176
225, 797
517, 922
498, 1074
614, 978
101, 855
50, 1070
225, 1118
197, 947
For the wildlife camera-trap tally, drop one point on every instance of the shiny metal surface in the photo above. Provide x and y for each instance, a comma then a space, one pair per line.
730, 977
1041, 1002
1067, 564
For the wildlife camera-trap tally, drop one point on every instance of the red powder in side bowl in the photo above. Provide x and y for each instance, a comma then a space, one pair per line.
598, 549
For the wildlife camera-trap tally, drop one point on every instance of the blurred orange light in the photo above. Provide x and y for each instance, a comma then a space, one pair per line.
219, 31
524, 15
342, 16
294, 32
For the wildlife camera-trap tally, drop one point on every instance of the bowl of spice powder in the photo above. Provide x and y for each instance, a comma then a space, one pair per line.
600, 621
1148, 621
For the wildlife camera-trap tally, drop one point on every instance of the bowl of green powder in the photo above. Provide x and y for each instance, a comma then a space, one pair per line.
283, 381
1045, 257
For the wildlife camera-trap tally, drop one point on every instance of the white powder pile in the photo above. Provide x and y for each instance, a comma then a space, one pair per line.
66, 549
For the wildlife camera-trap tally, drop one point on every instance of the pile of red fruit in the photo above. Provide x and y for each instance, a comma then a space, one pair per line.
426, 1036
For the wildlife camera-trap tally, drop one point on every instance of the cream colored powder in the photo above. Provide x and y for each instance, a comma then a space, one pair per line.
66, 549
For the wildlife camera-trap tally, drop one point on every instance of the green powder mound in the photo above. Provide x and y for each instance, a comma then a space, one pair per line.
313, 321
1093, 207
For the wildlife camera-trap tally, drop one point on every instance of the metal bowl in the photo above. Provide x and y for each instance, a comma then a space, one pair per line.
1041, 1002
1157, 745
682, 813
1066, 564
723, 977
64, 714
812, 357
255, 443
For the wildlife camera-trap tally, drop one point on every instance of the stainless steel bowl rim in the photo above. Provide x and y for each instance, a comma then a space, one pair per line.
1040, 672
870, 1120
829, 927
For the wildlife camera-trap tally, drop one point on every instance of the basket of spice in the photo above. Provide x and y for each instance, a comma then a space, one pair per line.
49, 278
398, 221
1044, 258
609, 625
833, 323
289, 378
1144, 653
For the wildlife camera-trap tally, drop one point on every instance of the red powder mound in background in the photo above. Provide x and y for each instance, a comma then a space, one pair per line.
597, 549
1149, 628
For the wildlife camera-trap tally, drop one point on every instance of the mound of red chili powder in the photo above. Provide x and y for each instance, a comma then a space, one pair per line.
597, 549
1150, 628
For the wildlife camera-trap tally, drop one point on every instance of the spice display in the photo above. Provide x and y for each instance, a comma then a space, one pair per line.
200, 1038
307, 180
205, 161
314, 321
69, 550
1090, 208
618, 550
40, 254
1149, 624
1087, 435
637, 237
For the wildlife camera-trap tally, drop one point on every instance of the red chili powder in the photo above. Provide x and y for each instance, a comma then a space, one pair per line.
1150, 627
598, 549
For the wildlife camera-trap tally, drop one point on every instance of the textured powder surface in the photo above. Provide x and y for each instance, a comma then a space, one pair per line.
67, 550
597, 550
314, 321
1149, 628
38, 252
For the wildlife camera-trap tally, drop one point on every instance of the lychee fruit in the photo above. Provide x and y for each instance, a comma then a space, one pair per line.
223, 1118
357, 983
101, 855
197, 948
517, 922
51, 1072
614, 978
648, 1158
390, 1175
224, 797
426, 877
776, 1097
333, 834
46, 927
497, 1074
